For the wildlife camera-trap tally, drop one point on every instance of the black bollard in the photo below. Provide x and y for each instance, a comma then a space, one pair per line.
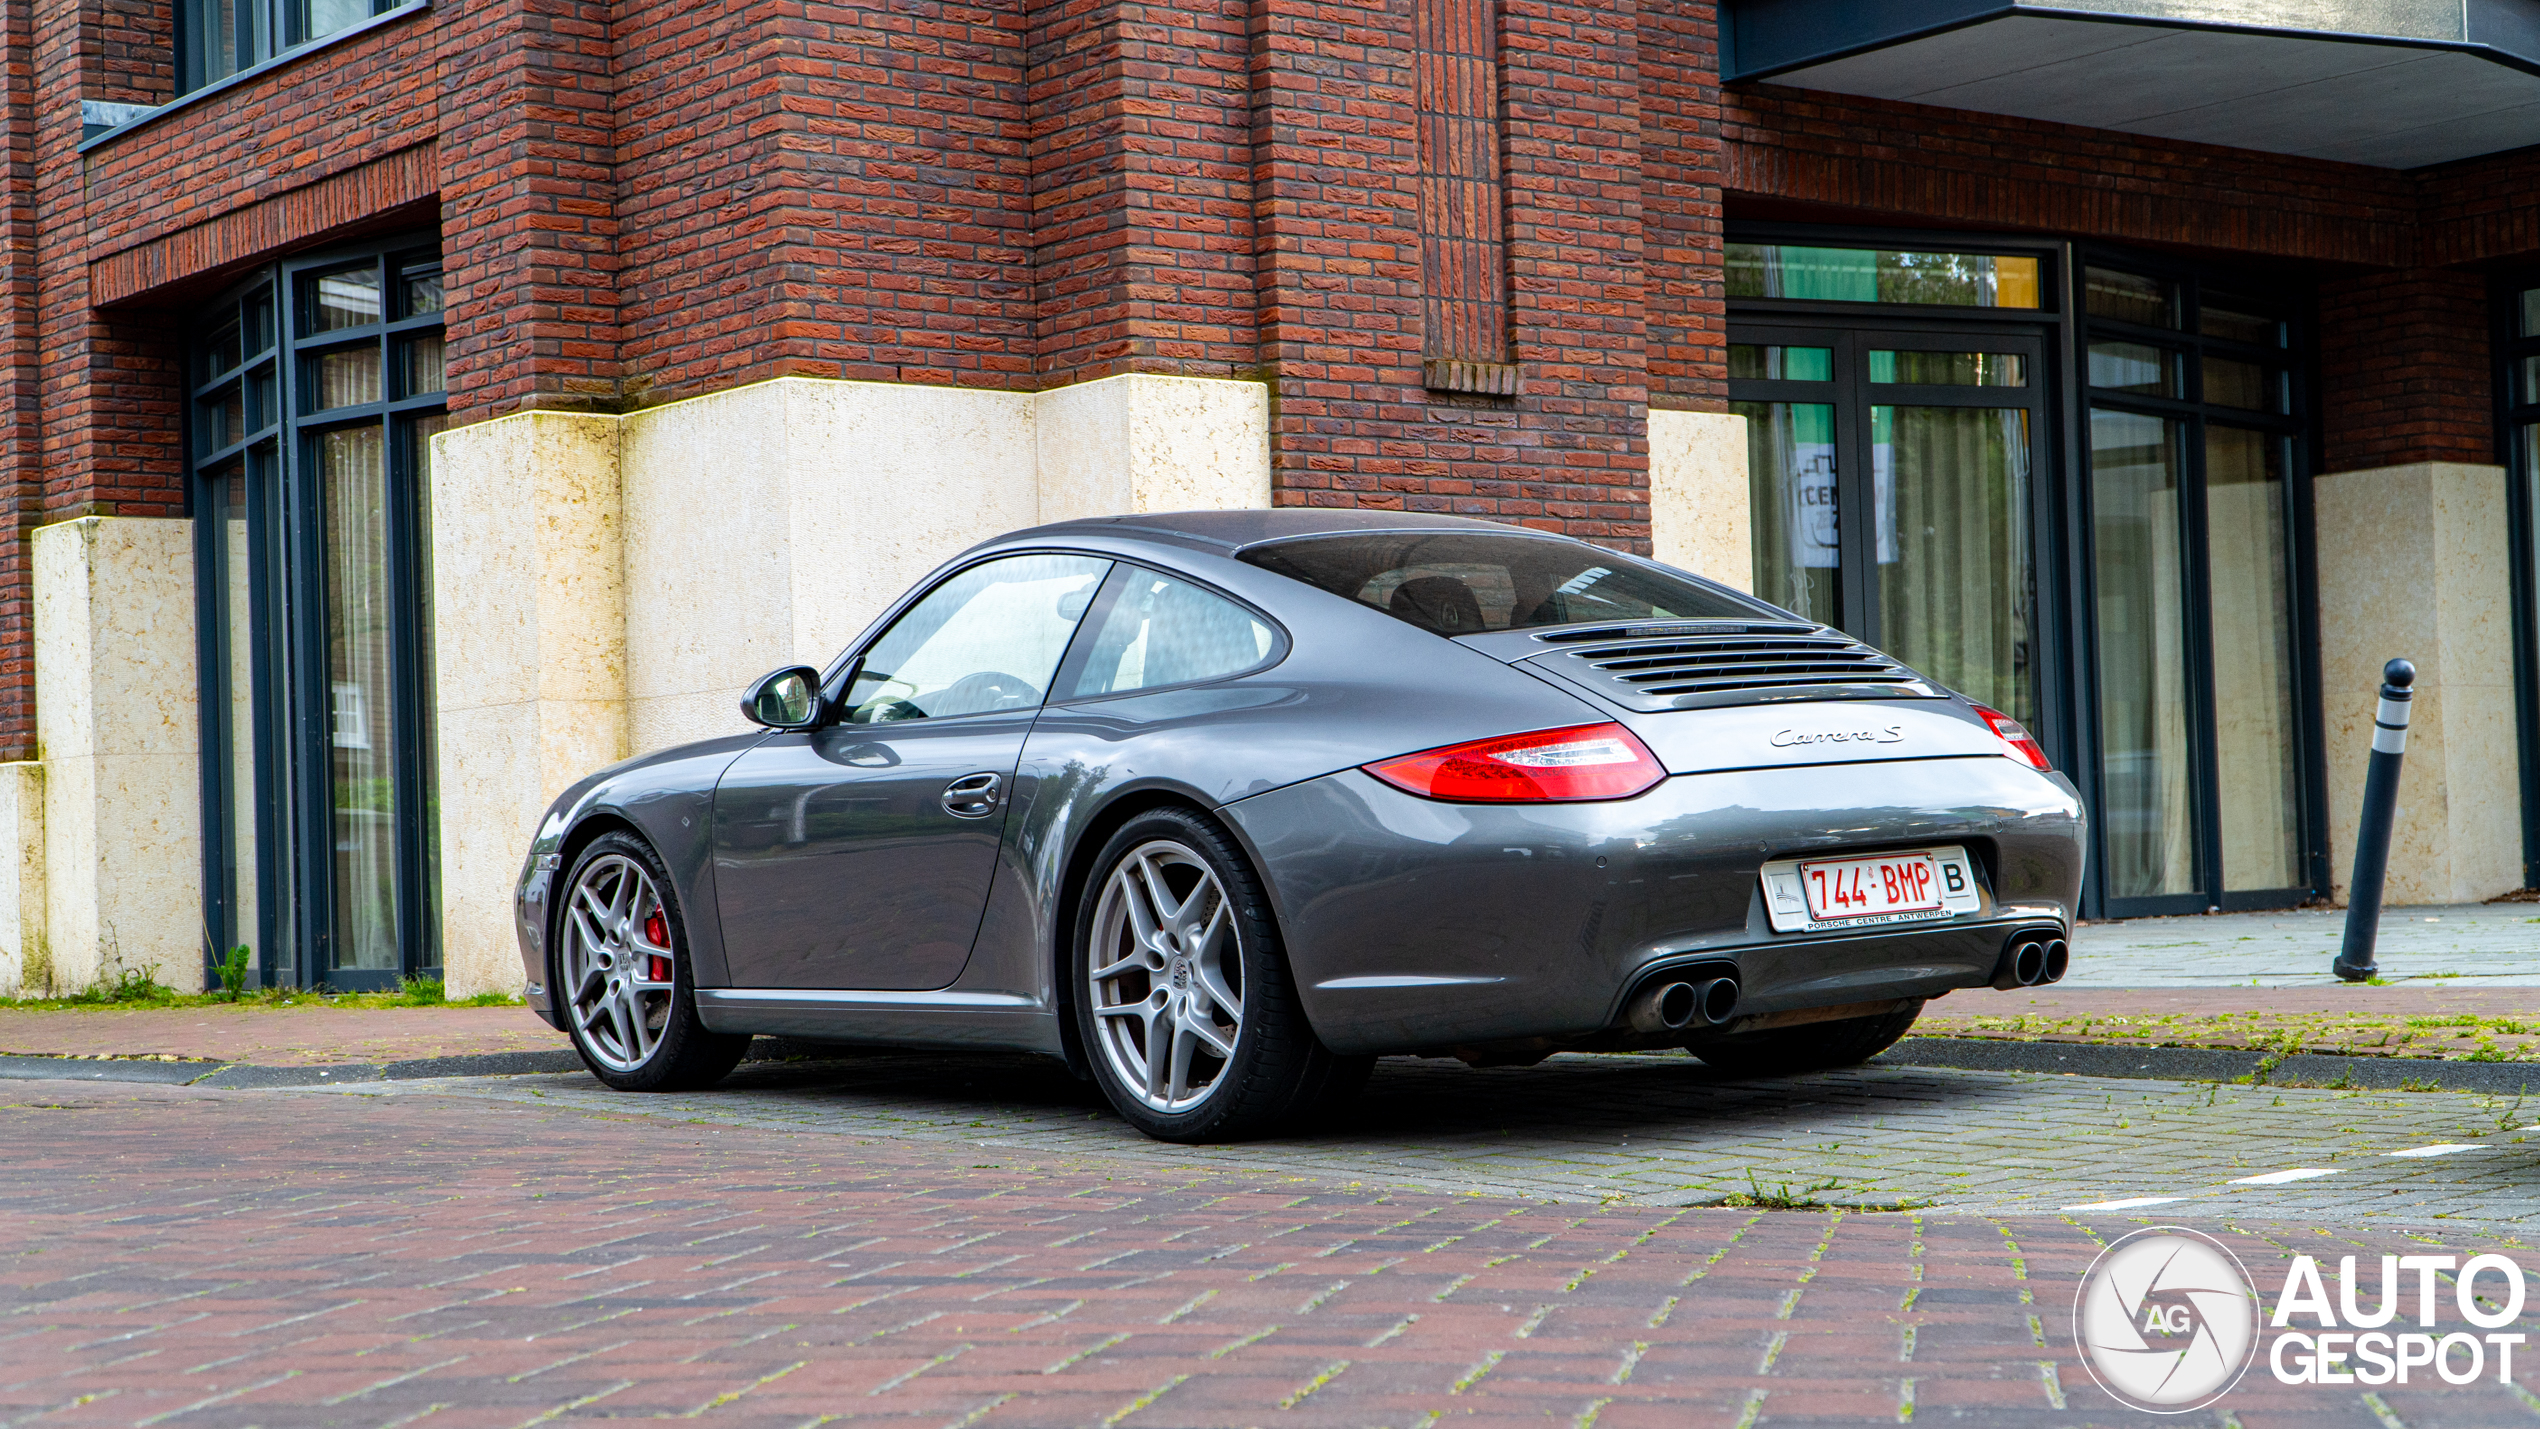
2381, 808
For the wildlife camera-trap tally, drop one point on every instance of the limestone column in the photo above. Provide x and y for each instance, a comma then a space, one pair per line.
115, 721
26, 960
529, 646
1143, 442
1698, 516
2412, 562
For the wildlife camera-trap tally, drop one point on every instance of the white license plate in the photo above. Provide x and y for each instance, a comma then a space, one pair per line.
1868, 887
1913, 886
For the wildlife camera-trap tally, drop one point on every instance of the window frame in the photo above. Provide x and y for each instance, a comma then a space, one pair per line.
2295, 429
838, 680
2068, 693
1071, 666
284, 32
291, 701
2297, 435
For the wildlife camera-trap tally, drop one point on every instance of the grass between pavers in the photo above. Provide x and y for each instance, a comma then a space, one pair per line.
2459, 1037
130, 994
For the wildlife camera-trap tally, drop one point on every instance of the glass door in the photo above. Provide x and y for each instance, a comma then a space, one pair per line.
2203, 789
1892, 477
318, 388
2517, 340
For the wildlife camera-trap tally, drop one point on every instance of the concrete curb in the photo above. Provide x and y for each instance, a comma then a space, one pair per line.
249, 1076
2206, 1064
244, 1075
1975, 1054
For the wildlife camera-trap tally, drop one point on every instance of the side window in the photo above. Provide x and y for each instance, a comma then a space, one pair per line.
1161, 631
987, 639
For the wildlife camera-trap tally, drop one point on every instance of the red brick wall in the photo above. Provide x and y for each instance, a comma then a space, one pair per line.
1463, 232
641, 202
529, 205
2405, 374
835, 190
2481, 210
1142, 227
133, 52
1337, 175
1909, 163
21, 468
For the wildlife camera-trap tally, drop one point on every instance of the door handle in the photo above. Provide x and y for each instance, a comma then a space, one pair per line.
973, 796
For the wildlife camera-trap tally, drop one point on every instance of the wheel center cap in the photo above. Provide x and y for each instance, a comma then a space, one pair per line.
1181, 973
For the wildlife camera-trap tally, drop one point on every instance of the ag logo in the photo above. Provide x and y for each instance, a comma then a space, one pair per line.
2166, 1320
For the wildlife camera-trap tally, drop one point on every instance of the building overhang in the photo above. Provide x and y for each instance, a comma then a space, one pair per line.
2393, 83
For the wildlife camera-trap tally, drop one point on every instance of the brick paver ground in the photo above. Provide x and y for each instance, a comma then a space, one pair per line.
173, 1256
1660, 1130
2415, 1019
308, 1034
2494, 943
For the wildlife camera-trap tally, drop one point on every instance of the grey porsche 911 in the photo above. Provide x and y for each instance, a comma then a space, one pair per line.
1219, 807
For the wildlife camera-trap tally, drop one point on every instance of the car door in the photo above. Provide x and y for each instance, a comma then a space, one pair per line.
858, 855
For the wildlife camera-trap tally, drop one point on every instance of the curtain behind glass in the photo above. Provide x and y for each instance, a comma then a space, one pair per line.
360, 614
1957, 578
238, 635
2147, 814
2256, 742
1791, 493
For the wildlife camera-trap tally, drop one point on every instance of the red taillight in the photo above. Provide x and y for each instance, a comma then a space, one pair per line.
1584, 761
2024, 746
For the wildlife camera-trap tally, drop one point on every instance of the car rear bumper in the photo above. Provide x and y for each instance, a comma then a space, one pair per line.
1414, 925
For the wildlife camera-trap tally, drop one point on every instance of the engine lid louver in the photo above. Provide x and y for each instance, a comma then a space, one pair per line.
1699, 665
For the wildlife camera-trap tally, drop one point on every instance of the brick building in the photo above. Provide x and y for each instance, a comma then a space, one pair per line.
410, 406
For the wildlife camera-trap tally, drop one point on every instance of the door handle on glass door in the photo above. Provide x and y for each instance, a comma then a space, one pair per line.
973, 796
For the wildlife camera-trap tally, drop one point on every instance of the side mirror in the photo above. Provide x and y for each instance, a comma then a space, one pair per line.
785, 699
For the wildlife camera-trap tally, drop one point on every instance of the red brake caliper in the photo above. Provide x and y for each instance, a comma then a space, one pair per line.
657, 932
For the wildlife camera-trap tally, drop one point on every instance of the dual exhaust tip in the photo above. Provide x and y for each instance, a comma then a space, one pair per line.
1678, 1006
2033, 959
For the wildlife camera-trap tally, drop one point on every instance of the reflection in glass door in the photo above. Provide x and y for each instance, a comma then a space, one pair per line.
2148, 819
2258, 793
1891, 486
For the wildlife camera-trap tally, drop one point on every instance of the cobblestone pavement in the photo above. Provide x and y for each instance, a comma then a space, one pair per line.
174, 1256
2489, 944
1663, 1131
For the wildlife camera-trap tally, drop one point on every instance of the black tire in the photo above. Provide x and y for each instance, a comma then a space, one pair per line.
1815, 1047
683, 1055
1278, 1070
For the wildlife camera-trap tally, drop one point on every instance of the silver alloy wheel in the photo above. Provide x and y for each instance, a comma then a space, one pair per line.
618, 969
1165, 975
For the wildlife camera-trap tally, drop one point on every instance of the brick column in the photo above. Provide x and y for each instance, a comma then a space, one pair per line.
1680, 204
1337, 168
1142, 227
528, 208
1573, 83
2404, 370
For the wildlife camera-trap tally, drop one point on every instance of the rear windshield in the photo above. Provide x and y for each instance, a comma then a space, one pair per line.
1464, 583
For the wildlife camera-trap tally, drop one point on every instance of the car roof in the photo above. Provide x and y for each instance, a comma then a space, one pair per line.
1233, 530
